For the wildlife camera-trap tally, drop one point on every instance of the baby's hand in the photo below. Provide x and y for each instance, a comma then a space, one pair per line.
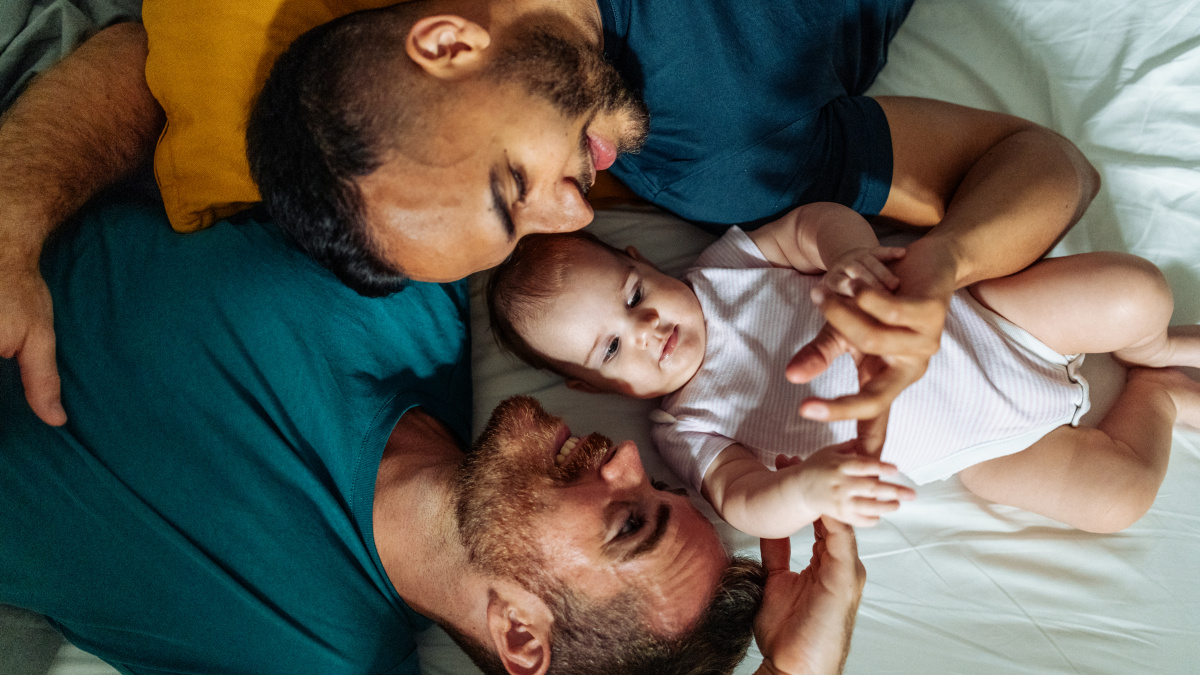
863, 268
839, 482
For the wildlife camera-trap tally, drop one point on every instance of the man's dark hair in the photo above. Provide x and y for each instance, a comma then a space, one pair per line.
610, 638
322, 121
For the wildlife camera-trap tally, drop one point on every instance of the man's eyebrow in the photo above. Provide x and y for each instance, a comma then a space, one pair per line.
500, 205
651, 542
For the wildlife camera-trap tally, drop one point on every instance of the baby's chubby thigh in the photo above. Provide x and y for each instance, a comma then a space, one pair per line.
1084, 304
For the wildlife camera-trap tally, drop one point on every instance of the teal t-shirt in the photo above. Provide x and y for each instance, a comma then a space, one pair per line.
755, 107
208, 507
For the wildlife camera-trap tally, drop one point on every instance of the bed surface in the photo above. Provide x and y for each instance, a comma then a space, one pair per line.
956, 585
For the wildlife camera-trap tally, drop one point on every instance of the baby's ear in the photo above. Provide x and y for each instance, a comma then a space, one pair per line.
580, 385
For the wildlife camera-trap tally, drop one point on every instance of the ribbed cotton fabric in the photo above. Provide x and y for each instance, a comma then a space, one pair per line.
991, 390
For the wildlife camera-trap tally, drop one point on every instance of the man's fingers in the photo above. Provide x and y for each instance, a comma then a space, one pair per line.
815, 357
872, 432
853, 406
776, 554
902, 310
39, 374
839, 540
819, 528
889, 331
873, 400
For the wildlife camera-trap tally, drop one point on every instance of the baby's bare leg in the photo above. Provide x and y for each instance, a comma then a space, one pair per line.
1096, 303
1102, 479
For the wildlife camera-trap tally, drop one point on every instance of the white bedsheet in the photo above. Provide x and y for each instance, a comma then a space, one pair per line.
956, 585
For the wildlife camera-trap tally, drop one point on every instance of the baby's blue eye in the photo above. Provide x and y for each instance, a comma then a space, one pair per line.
612, 349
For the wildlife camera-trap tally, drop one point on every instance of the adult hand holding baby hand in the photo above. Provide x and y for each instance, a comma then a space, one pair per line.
862, 268
891, 336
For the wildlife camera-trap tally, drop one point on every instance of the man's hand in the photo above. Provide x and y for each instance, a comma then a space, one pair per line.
80, 126
807, 618
27, 333
890, 336
862, 268
842, 482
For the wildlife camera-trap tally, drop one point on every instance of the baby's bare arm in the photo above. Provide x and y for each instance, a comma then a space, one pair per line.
753, 498
811, 238
835, 481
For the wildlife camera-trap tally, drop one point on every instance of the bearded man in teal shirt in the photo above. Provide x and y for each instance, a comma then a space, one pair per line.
262, 472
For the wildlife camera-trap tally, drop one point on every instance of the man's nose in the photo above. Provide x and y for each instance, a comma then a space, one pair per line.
560, 210
624, 469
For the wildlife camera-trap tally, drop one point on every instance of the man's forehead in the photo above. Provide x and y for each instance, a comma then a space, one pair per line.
404, 194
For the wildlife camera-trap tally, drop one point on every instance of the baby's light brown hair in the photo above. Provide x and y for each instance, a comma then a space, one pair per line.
535, 272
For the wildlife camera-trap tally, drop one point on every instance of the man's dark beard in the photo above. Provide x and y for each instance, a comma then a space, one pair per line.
573, 77
504, 482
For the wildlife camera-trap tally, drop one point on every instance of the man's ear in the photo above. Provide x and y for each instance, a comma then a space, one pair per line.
519, 624
580, 385
447, 46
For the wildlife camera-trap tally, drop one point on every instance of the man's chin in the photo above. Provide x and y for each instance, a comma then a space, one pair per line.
633, 125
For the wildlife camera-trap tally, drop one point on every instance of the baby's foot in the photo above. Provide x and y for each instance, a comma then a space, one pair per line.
1185, 345
1183, 390
1180, 348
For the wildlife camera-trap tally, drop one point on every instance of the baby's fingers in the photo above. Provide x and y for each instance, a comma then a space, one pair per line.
874, 489
865, 512
857, 465
875, 265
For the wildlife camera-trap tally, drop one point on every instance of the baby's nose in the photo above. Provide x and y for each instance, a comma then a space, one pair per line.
648, 330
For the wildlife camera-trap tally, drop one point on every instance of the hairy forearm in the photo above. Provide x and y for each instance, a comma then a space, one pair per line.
78, 128
1011, 207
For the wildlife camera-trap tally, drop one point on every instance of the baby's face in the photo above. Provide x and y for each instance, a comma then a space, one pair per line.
621, 325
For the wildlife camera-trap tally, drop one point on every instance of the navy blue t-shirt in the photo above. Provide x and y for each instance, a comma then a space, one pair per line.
755, 107
208, 507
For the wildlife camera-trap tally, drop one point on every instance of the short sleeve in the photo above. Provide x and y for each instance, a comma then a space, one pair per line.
754, 111
842, 153
688, 453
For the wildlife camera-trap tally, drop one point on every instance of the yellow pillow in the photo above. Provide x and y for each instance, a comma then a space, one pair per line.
208, 59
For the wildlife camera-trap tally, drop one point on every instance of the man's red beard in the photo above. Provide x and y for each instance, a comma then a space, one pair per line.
505, 481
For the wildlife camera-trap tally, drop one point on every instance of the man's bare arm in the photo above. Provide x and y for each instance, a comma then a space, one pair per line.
77, 129
998, 192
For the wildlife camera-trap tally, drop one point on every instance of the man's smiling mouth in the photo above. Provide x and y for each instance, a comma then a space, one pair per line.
565, 450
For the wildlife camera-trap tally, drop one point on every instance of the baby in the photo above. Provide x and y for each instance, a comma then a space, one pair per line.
998, 405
